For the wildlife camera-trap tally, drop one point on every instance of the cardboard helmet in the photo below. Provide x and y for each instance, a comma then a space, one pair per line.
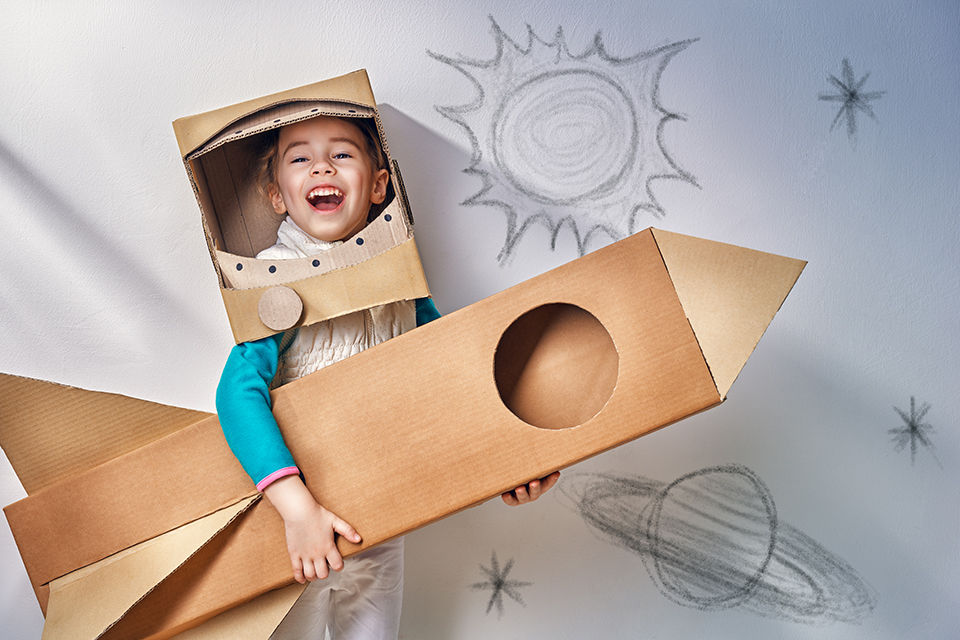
262, 297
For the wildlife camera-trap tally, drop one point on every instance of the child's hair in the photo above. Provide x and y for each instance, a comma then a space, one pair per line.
267, 152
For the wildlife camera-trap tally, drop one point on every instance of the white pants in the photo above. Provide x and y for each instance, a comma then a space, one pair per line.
361, 602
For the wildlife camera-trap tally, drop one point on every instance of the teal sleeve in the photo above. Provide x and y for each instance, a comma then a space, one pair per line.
244, 408
426, 311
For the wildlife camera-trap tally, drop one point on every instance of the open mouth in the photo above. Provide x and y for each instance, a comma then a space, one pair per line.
325, 198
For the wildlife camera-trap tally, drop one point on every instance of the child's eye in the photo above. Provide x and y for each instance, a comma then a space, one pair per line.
342, 155
299, 159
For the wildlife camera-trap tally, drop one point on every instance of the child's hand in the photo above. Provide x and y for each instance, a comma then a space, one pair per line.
529, 492
311, 541
311, 530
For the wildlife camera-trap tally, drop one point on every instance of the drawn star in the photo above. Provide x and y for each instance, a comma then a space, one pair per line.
851, 97
499, 585
914, 430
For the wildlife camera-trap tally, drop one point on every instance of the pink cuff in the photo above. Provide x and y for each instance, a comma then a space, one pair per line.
276, 475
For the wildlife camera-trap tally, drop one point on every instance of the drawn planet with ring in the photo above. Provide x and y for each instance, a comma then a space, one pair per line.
711, 539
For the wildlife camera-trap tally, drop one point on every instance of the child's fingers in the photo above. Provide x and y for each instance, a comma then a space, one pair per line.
516, 497
309, 571
533, 488
334, 559
527, 493
320, 566
537, 488
549, 481
509, 498
343, 528
297, 569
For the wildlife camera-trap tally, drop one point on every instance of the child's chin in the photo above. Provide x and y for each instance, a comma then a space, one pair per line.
326, 232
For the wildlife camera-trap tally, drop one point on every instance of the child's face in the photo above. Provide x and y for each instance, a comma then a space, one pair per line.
325, 179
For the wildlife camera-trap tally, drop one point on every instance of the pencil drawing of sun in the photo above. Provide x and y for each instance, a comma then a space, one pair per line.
566, 140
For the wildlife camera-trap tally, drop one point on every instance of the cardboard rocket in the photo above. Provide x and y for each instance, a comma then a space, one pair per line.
140, 523
576, 361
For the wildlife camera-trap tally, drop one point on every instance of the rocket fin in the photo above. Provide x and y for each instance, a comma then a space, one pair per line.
729, 294
51, 431
254, 620
84, 604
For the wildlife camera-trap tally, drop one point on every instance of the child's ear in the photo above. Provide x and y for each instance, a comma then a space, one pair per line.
379, 192
273, 191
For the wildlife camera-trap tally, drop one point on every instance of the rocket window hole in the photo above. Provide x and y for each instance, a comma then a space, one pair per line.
556, 366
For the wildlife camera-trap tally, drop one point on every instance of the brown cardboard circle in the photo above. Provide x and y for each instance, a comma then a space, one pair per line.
556, 366
279, 308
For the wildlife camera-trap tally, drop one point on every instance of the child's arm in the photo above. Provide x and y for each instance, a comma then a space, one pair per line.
245, 413
244, 409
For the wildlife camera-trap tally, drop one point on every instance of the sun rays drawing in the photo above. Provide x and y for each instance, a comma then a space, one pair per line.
563, 139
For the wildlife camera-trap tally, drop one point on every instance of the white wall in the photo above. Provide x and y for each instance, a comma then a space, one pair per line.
107, 283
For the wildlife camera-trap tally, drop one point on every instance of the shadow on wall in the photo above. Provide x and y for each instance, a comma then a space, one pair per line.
712, 539
67, 250
431, 170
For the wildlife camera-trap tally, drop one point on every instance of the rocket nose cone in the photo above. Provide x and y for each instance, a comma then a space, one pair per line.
729, 294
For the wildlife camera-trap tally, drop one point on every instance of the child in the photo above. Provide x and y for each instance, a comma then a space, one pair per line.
327, 175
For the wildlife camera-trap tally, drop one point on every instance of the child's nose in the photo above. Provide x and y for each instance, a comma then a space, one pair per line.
322, 167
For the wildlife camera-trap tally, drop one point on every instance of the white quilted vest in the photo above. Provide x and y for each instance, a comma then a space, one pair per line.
321, 344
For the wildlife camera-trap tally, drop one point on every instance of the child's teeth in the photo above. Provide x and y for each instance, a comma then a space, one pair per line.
325, 191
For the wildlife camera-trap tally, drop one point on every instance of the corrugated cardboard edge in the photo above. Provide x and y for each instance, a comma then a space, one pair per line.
86, 603
193, 131
729, 294
280, 115
50, 431
254, 620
